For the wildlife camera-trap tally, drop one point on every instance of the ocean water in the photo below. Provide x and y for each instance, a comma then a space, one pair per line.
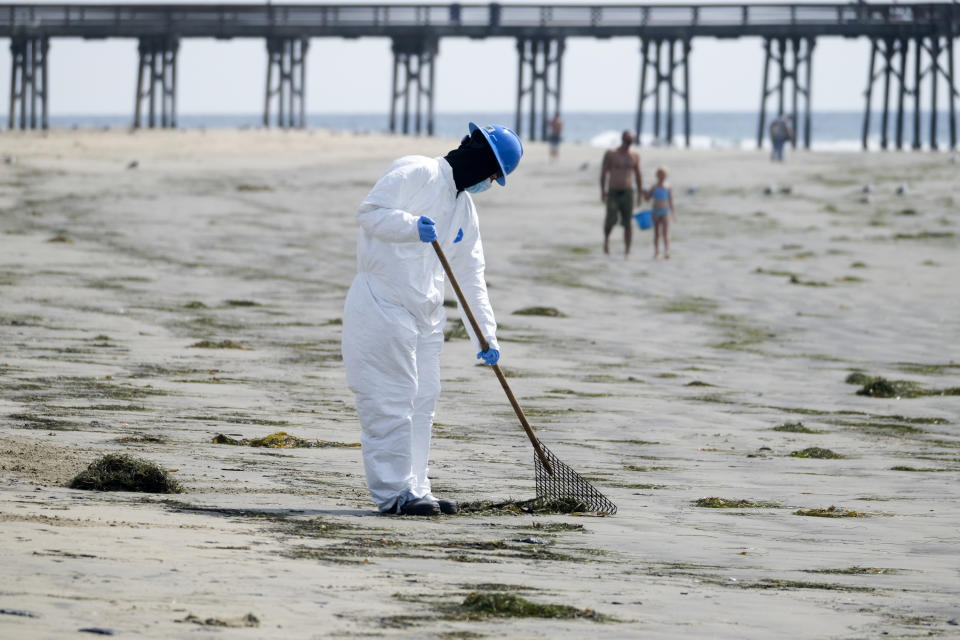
831, 130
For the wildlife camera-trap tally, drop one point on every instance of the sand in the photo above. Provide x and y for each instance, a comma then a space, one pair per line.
662, 384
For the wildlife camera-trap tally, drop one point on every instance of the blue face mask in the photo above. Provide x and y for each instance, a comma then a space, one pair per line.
480, 187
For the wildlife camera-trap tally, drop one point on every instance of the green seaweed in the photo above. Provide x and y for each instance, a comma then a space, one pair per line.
520, 507
633, 467
281, 440
692, 304
212, 344
248, 620
858, 378
885, 428
883, 388
830, 512
925, 235
816, 452
855, 571
775, 272
242, 303
456, 331
495, 586
927, 369
124, 473
773, 583
35, 421
923, 470
733, 503
795, 427
143, 439
549, 312
808, 283
510, 605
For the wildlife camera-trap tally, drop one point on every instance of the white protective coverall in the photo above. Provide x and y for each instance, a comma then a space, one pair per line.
393, 319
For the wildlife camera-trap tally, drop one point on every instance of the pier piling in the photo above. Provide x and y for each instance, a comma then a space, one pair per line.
28, 83
929, 68
413, 76
788, 32
540, 60
157, 81
793, 58
286, 81
663, 70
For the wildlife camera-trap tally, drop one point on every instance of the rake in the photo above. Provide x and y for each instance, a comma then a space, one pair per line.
557, 484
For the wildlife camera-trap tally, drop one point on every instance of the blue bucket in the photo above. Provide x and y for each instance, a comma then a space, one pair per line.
644, 219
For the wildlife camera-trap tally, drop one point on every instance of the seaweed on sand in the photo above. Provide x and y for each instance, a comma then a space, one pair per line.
883, 388
854, 571
858, 377
248, 620
549, 312
281, 440
520, 507
212, 344
727, 503
456, 331
690, 305
830, 512
125, 473
510, 605
794, 427
816, 452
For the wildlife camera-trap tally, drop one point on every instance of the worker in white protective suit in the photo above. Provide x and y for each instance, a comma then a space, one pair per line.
393, 319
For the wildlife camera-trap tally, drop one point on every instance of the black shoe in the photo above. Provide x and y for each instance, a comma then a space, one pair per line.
420, 507
447, 507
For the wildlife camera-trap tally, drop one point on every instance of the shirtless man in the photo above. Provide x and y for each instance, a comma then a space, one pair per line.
621, 165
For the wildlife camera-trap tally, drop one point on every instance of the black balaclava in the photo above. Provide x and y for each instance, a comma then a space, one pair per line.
473, 161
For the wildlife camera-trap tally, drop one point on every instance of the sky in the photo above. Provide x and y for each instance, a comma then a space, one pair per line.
353, 76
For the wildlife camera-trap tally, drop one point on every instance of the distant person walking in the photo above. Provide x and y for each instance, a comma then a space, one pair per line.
556, 131
662, 210
781, 130
621, 166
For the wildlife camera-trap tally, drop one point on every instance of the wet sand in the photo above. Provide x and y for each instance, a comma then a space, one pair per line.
664, 383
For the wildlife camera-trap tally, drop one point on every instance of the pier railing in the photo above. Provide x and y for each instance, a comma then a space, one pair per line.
475, 20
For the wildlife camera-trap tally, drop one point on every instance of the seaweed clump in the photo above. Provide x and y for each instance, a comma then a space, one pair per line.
816, 452
509, 605
212, 344
519, 507
281, 440
830, 512
549, 312
248, 620
456, 331
858, 377
125, 473
727, 503
794, 427
879, 388
883, 388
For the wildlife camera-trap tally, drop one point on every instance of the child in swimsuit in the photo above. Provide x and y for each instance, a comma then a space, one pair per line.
662, 210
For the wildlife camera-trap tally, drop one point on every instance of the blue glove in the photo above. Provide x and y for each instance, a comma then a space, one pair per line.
490, 356
425, 226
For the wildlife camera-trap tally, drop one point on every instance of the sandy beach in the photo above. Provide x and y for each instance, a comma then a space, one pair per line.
160, 288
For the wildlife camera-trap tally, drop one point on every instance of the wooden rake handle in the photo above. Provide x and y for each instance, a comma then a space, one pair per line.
496, 368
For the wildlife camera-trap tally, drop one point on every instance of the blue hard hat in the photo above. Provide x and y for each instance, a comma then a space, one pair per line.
506, 147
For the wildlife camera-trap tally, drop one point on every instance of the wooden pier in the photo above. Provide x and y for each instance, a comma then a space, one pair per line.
924, 33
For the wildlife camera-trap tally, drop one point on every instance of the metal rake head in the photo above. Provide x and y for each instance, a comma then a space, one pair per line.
567, 487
